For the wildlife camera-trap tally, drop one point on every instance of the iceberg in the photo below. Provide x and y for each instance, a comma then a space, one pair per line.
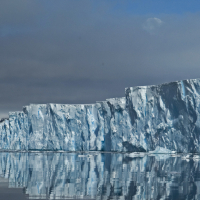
148, 117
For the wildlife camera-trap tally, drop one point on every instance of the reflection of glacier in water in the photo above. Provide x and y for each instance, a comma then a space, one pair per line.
102, 175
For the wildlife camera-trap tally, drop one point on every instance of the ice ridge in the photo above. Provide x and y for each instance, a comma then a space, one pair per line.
147, 118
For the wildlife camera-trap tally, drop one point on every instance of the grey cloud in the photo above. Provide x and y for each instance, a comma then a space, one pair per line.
76, 52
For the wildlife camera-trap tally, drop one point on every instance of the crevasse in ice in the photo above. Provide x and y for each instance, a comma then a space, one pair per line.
165, 116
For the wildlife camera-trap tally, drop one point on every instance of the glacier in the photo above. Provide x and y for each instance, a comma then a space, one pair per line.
148, 118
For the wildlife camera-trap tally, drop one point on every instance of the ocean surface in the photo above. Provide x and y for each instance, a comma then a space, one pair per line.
95, 175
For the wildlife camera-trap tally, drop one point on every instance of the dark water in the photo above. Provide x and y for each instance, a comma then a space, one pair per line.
98, 176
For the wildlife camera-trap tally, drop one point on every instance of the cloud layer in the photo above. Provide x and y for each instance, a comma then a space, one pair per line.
82, 52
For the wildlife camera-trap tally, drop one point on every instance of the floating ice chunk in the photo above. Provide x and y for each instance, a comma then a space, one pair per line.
187, 157
196, 157
161, 150
136, 154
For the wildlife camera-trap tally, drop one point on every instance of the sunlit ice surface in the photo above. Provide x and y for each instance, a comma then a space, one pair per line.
95, 175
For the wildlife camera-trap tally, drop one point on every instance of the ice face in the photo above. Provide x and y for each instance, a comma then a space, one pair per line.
18, 127
164, 116
5, 135
36, 135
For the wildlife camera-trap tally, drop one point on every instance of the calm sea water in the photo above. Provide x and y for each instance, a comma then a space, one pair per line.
96, 175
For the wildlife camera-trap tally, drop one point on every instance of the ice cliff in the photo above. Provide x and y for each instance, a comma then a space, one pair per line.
163, 116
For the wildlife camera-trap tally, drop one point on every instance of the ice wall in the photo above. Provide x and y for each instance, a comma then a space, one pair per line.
165, 115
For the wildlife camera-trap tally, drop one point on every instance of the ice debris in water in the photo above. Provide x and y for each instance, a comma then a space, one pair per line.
148, 117
161, 150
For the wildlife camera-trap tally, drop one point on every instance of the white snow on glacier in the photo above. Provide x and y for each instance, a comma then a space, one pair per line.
165, 116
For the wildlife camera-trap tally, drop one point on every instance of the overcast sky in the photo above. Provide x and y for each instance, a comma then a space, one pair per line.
82, 51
